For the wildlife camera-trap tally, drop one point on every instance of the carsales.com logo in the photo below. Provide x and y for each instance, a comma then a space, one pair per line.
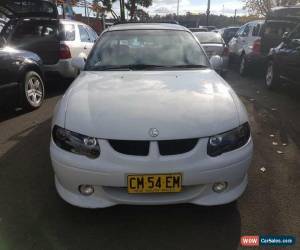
267, 240
250, 241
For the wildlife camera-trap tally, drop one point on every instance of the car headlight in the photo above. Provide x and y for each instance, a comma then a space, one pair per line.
76, 143
228, 141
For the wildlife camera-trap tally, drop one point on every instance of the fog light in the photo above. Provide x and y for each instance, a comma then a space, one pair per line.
86, 189
219, 187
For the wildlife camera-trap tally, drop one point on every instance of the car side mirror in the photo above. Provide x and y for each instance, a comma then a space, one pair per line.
285, 37
78, 63
216, 62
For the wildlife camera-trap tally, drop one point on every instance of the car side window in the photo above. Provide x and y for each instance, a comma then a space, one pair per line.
91, 34
246, 31
240, 31
296, 34
256, 30
84, 36
295, 39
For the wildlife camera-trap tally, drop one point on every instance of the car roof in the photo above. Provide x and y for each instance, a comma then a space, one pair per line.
207, 33
68, 21
256, 21
147, 26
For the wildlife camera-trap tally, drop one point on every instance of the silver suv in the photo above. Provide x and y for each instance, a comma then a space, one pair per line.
253, 41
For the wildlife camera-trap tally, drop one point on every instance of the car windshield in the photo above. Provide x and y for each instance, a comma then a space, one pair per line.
209, 37
146, 49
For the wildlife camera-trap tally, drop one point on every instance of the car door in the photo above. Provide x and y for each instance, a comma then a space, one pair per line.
8, 79
85, 39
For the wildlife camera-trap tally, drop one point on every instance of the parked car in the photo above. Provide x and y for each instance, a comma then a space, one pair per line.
209, 28
214, 44
228, 33
149, 124
253, 41
284, 60
56, 41
22, 80
198, 29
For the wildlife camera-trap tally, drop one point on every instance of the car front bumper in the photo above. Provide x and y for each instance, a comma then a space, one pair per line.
108, 175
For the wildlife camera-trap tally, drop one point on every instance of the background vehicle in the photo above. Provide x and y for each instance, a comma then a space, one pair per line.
209, 28
214, 44
198, 29
21, 81
284, 60
228, 33
253, 41
55, 41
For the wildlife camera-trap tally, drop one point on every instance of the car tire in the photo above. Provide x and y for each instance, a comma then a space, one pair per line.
272, 78
33, 91
244, 66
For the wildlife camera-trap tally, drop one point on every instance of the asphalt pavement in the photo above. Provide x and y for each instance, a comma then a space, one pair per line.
32, 215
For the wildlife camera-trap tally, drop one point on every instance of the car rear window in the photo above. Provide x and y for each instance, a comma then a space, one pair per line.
275, 30
209, 37
67, 32
230, 32
34, 29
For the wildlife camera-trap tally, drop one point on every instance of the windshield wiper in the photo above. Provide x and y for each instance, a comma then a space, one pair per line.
129, 67
111, 67
188, 66
145, 66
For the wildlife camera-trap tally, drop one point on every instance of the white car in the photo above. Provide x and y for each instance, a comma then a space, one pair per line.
149, 122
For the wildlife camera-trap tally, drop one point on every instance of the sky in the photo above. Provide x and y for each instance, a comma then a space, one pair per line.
163, 7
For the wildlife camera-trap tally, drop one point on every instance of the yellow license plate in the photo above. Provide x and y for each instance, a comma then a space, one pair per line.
154, 183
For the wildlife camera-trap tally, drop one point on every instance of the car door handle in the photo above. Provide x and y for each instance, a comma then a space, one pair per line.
84, 47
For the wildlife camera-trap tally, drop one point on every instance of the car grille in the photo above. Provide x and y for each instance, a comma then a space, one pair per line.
141, 148
176, 147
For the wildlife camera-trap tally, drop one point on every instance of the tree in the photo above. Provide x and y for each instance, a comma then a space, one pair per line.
135, 12
263, 7
100, 6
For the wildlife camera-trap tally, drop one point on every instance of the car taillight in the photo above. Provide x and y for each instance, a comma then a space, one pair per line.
226, 51
256, 47
64, 52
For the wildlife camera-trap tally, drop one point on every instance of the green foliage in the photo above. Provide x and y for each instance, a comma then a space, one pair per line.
135, 12
263, 7
193, 21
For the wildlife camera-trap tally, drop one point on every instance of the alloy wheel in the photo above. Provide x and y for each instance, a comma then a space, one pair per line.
34, 91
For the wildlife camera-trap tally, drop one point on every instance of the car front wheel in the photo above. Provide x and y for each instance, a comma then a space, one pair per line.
272, 76
33, 91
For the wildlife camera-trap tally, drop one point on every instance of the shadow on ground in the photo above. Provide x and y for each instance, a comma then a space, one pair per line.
32, 216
